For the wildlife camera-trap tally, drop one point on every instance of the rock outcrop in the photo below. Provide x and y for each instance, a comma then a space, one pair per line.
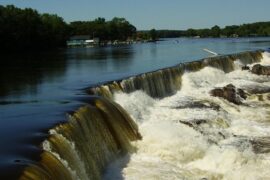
260, 70
246, 67
230, 93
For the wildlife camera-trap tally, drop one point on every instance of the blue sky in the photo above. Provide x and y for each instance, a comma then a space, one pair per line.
159, 14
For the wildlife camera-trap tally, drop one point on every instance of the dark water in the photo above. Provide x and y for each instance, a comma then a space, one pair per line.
38, 89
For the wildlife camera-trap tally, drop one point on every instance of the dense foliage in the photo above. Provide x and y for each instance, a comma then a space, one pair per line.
27, 29
152, 35
245, 30
116, 29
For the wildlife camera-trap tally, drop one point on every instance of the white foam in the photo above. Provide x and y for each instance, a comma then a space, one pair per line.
80, 172
266, 58
218, 148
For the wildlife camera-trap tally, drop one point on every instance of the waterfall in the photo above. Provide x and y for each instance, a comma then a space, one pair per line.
165, 82
194, 135
94, 136
102, 131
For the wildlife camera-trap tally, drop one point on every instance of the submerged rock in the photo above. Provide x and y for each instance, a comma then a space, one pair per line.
198, 104
245, 67
258, 90
261, 145
230, 93
260, 70
193, 123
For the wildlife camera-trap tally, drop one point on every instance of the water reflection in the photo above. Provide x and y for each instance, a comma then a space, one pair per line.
22, 73
87, 53
102, 53
89, 66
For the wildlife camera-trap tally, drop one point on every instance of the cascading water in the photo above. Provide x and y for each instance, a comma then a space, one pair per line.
167, 81
192, 135
186, 133
81, 148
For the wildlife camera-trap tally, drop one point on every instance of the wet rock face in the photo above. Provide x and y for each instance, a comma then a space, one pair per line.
261, 145
200, 105
230, 93
260, 70
247, 68
194, 122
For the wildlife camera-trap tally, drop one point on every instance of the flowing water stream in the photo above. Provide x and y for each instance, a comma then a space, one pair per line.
166, 125
220, 141
141, 111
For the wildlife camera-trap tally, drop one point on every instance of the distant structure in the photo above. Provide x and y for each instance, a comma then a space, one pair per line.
82, 41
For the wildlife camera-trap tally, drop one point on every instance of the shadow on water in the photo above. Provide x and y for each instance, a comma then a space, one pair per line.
101, 64
87, 53
22, 73
100, 53
122, 58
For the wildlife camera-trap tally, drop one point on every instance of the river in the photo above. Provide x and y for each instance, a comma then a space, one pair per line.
39, 89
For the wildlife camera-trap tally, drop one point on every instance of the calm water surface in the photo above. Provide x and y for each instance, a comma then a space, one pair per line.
37, 90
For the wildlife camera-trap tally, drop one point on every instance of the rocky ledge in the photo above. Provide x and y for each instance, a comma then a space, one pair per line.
230, 93
260, 70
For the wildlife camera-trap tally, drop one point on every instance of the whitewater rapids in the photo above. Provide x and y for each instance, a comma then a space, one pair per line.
192, 135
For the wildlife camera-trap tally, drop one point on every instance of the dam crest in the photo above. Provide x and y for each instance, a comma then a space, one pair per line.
103, 131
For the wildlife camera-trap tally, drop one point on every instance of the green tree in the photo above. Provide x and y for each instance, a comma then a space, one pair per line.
215, 31
229, 30
204, 32
54, 30
26, 29
116, 29
153, 34
191, 32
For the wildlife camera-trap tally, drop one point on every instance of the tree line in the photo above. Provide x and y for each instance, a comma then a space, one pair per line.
244, 30
22, 29
116, 29
257, 29
26, 29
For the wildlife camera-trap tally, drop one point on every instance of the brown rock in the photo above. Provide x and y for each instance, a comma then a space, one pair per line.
260, 144
230, 93
261, 70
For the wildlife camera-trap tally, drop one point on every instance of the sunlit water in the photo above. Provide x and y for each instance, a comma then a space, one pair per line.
38, 89
222, 146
